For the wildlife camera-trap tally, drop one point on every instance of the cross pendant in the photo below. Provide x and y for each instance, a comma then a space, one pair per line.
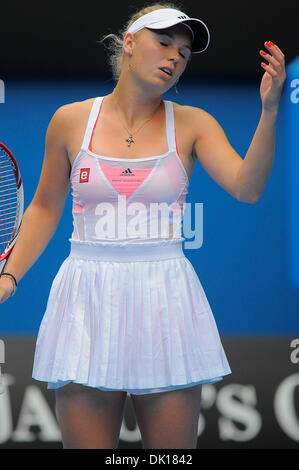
130, 140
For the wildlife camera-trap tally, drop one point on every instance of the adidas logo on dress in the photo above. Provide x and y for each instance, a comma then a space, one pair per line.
127, 172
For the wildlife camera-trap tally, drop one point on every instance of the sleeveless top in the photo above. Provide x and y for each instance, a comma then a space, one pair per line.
128, 200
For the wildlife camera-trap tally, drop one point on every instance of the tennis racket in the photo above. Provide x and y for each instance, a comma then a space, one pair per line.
11, 203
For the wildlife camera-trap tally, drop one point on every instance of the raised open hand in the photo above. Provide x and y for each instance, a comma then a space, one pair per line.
273, 78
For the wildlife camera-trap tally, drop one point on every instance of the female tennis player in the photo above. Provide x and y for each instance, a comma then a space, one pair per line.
127, 312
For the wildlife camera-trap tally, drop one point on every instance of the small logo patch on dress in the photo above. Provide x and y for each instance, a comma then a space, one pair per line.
127, 172
84, 175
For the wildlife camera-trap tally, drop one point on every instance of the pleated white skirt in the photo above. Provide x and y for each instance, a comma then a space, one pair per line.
130, 317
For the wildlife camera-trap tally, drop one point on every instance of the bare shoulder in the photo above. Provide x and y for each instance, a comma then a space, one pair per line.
196, 120
72, 113
190, 112
67, 122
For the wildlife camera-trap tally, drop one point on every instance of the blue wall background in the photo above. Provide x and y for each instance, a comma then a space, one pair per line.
244, 263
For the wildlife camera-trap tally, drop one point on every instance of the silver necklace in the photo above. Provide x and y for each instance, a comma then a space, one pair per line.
130, 139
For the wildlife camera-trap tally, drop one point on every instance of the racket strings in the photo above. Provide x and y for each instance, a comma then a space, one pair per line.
9, 204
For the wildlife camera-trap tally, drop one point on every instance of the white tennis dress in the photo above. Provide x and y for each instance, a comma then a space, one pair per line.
126, 310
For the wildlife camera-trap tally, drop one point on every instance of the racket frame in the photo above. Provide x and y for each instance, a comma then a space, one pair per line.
4, 256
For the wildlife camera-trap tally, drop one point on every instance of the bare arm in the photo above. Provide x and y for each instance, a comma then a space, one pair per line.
244, 179
43, 214
215, 153
258, 162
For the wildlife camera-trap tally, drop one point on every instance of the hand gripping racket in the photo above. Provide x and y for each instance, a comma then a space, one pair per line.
11, 203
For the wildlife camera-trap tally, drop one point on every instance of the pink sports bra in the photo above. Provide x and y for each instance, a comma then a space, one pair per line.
128, 200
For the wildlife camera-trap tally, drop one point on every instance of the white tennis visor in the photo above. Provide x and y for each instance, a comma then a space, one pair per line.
166, 17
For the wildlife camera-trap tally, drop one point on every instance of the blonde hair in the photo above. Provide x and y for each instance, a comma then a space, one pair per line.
115, 46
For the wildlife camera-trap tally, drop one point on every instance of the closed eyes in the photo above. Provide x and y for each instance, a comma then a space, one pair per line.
166, 45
